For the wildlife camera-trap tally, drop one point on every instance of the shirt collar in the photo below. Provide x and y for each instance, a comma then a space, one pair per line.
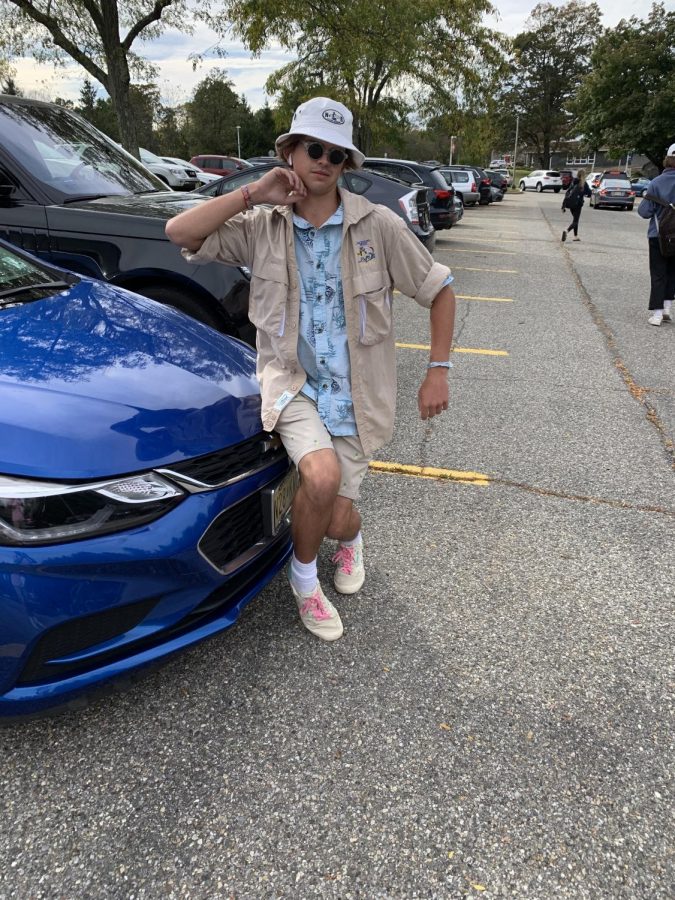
336, 219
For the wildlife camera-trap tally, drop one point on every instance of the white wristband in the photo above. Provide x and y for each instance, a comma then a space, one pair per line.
440, 365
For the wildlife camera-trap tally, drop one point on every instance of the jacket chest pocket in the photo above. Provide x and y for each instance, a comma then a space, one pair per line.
372, 293
267, 297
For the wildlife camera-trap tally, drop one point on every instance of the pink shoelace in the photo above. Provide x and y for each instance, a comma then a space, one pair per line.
315, 605
345, 558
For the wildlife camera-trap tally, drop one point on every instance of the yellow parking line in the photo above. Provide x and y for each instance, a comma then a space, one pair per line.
454, 349
471, 297
494, 299
472, 269
476, 478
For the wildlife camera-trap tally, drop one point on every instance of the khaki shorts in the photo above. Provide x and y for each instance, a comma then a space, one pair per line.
302, 431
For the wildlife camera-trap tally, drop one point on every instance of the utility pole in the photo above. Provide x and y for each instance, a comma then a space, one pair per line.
515, 149
238, 141
452, 147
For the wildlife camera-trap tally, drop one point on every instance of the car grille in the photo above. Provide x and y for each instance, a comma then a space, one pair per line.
231, 464
233, 532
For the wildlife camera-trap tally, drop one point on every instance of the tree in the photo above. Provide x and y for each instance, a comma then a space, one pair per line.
628, 99
364, 55
214, 113
99, 36
9, 86
550, 60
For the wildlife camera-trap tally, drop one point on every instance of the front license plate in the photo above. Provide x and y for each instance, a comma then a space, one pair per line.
277, 500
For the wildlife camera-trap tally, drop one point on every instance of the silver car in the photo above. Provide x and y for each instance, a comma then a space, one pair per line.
464, 182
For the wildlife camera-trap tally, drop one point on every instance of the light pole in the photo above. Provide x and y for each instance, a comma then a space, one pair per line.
238, 142
452, 147
515, 150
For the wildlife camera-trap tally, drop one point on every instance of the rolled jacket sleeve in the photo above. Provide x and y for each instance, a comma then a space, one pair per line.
413, 270
231, 244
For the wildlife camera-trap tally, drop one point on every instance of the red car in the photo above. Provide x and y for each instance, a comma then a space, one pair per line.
566, 176
219, 165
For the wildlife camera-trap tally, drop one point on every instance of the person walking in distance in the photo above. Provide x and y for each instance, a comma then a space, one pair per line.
574, 201
324, 263
661, 268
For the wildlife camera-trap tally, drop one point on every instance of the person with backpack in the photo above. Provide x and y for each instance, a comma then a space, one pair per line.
574, 201
658, 205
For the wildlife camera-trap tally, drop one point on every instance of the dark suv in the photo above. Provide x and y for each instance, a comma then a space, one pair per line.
441, 195
72, 196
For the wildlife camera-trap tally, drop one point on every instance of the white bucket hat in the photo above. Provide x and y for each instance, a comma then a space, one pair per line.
671, 150
325, 120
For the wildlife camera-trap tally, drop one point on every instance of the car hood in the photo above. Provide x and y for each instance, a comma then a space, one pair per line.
96, 382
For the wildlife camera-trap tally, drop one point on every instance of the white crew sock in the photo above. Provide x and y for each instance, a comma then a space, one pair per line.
353, 543
303, 575
667, 304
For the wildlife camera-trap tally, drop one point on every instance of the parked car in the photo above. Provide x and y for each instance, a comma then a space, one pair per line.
593, 179
459, 207
482, 181
611, 191
566, 177
506, 174
465, 182
177, 177
497, 180
261, 160
201, 176
640, 185
104, 214
439, 192
219, 165
412, 205
141, 505
542, 180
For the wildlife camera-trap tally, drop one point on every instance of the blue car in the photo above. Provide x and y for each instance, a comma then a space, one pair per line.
141, 504
640, 186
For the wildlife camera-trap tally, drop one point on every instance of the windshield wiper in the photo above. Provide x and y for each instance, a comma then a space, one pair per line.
26, 288
85, 197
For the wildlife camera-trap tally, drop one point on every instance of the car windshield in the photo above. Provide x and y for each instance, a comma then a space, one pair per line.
69, 155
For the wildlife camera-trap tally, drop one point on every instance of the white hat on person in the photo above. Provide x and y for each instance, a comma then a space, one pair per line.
671, 150
325, 120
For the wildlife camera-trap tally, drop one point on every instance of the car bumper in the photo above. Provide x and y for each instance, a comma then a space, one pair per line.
76, 616
614, 201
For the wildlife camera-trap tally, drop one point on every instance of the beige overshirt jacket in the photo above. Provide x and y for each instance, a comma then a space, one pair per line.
379, 254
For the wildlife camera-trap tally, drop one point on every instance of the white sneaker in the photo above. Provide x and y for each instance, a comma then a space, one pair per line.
318, 614
668, 314
656, 318
350, 572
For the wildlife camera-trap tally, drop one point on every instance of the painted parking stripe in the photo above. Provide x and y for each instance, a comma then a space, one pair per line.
473, 297
476, 478
489, 241
491, 252
476, 269
479, 351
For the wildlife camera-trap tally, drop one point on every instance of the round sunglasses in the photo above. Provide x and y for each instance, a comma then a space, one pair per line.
316, 150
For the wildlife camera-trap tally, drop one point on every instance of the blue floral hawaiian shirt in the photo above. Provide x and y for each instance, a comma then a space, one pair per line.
322, 340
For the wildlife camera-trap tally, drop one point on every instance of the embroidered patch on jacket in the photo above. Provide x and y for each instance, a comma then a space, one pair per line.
365, 251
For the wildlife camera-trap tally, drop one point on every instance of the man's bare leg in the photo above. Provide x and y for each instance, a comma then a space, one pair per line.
314, 502
345, 521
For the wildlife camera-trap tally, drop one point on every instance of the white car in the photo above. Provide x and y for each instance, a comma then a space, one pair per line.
170, 173
542, 180
193, 171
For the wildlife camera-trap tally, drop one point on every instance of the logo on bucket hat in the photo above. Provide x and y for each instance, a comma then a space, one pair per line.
325, 120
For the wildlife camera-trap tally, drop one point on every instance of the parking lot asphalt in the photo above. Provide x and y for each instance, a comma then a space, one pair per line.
497, 719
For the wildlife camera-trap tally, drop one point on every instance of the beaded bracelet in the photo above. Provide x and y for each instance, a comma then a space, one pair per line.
247, 196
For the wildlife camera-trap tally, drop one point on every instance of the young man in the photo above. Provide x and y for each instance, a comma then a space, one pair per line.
323, 263
661, 268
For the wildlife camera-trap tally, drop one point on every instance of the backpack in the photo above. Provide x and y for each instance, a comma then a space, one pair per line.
665, 225
573, 196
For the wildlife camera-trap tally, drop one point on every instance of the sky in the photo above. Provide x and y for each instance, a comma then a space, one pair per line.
177, 80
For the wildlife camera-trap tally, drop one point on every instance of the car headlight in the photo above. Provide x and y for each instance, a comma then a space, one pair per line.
176, 171
39, 512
